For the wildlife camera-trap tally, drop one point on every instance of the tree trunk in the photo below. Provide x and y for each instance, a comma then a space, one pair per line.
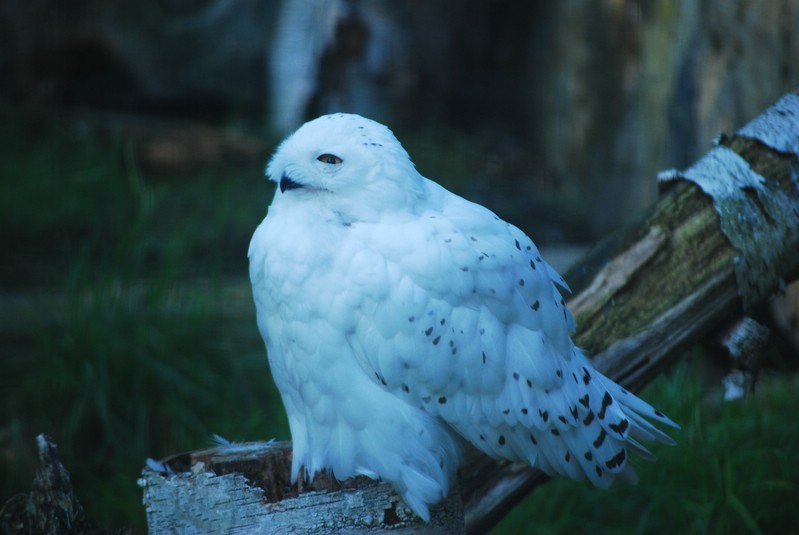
722, 239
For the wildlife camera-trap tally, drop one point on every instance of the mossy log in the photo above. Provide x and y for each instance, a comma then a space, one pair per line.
646, 293
722, 238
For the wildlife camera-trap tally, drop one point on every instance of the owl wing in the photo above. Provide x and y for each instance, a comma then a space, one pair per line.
469, 325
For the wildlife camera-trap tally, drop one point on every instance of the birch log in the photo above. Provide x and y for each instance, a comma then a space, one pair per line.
722, 238
245, 488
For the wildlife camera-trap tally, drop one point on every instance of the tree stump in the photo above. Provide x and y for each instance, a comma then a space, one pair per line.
245, 488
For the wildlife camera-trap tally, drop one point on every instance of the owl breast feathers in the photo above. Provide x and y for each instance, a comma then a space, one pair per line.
401, 319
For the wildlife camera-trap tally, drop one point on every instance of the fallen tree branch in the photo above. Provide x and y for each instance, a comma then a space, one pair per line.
647, 293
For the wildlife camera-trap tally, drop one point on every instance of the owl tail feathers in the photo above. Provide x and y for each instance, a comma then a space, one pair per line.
420, 473
637, 409
419, 491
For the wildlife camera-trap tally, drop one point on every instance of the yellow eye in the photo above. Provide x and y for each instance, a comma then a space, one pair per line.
329, 158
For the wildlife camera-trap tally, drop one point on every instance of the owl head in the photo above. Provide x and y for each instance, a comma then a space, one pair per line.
345, 162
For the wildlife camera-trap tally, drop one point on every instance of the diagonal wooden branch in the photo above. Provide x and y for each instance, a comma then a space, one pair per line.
648, 292
643, 295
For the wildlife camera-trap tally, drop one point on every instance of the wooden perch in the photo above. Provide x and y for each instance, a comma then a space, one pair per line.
246, 488
722, 239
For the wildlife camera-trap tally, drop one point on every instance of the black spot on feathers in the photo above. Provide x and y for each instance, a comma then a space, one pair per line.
621, 427
600, 439
501, 440
428, 331
588, 418
518, 246
436, 340
584, 401
535, 306
442, 400
617, 460
607, 401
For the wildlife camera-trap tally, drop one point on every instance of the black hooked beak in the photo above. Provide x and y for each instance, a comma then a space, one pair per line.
286, 184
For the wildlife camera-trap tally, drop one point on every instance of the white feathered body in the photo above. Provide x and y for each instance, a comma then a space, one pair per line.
400, 318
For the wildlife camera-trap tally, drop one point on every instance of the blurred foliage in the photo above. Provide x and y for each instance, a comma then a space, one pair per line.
73, 193
113, 357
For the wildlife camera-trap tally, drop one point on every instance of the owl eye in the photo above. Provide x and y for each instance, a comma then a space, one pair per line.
329, 158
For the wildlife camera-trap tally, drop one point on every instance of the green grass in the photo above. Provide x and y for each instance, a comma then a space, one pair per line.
111, 355
130, 343
735, 470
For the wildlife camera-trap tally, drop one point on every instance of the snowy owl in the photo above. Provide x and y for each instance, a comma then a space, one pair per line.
401, 319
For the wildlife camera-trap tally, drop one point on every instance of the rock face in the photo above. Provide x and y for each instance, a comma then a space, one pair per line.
577, 104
